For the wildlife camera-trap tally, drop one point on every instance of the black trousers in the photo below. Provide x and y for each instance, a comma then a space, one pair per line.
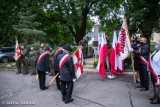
66, 89
42, 79
58, 81
144, 76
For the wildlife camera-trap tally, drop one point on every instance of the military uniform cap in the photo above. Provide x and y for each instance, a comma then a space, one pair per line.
61, 44
66, 47
47, 49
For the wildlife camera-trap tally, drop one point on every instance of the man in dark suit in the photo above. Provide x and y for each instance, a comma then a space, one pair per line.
43, 67
143, 54
56, 66
67, 74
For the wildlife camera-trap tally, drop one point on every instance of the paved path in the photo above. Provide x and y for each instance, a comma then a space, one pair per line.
89, 91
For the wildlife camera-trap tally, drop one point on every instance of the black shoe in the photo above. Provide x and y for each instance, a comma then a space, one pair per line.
152, 98
155, 101
25, 73
59, 89
32, 73
45, 88
69, 100
63, 99
137, 81
144, 89
18, 72
139, 86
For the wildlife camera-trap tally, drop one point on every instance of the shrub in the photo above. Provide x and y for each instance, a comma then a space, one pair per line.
95, 62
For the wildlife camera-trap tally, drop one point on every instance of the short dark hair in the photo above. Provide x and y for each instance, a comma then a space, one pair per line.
61, 44
68, 48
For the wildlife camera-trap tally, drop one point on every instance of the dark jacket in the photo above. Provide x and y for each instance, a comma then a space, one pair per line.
56, 65
144, 51
43, 63
67, 72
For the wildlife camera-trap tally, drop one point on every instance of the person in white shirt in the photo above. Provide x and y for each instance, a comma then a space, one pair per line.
154, 63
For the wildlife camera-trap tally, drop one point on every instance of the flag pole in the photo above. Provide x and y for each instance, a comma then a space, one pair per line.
134, 77
53, 79
75, 50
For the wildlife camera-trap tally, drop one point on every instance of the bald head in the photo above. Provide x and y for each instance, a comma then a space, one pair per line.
32, 48
42, 45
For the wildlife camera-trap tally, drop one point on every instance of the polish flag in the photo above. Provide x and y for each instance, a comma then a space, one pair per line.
103, 53
120, 63
124, 42
17, 53
113, 56
78, 61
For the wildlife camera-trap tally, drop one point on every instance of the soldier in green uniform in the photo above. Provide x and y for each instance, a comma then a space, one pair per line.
24, 60
41, 49
33, 58
84, 44
18, 64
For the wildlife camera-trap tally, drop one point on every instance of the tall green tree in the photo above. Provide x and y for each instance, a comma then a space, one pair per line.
27, 27
8, 16
72, 14
143, 15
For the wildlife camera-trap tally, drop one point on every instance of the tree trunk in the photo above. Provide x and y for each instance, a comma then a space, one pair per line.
81, 30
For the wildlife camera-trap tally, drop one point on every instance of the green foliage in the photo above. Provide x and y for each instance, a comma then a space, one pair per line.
74, 48
69, 20
8, 12
95, 62
143, 15
152, 49
27, 26
127, 63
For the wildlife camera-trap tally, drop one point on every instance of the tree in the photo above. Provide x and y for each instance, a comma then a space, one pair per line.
8, 16
28, 27
143, 15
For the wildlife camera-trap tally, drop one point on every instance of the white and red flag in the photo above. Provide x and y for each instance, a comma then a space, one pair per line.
120, 63
113, 58
17, 53
124, 42
103, 53
78, 61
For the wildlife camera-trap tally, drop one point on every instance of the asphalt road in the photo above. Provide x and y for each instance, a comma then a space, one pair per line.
89, 91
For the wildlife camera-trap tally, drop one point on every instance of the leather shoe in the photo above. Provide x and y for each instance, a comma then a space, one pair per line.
18, 72
144, 89
32, 73
137, 81
45, 88
69, 100
152, 98
155, 101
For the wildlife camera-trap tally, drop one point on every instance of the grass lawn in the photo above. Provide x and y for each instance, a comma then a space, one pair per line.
7, 65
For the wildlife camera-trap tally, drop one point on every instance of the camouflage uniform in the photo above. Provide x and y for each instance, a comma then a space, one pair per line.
18, 64
24, 61
41, 50
84, 44
33, 59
